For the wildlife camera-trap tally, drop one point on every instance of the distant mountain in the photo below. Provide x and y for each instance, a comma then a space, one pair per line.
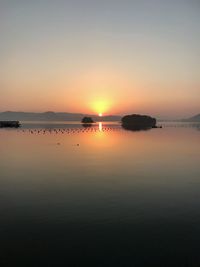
195, 118
52, 116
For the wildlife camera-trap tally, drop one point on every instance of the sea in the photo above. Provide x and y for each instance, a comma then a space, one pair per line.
100, 196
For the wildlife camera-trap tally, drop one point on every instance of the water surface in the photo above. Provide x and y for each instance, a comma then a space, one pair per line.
100, 196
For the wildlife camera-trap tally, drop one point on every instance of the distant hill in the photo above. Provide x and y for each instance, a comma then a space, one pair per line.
195, 118
52, 116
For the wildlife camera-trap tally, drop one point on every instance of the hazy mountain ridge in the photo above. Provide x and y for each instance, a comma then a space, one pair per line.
195, 118
53, 116
67, 116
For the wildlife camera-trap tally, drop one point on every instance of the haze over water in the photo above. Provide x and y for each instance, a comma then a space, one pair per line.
100, 196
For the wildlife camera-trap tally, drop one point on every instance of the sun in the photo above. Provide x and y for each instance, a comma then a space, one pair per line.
100, 107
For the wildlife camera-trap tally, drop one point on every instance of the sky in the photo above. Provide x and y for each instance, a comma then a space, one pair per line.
100, 56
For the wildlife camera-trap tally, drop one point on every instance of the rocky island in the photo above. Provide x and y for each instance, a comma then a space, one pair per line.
87, 120
10, 124
138, 122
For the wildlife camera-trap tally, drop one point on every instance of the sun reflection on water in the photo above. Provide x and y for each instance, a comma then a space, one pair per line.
100, 127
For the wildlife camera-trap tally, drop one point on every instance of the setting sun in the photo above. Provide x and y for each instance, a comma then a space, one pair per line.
101, 106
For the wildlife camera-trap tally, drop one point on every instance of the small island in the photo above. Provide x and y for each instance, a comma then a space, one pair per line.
138, 122
9, 124
87, 120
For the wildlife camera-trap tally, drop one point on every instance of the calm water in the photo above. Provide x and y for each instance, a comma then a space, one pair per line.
100, 196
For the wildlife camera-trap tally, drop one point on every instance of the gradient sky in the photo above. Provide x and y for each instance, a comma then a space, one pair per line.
110, 56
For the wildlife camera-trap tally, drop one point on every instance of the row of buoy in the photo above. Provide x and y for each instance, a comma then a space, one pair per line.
181, 126
67, 131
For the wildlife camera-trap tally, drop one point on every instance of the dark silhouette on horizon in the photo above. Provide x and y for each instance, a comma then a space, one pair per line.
87, 120
9, 124
136, 122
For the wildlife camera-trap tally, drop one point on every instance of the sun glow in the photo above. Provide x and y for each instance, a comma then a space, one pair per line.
100, 107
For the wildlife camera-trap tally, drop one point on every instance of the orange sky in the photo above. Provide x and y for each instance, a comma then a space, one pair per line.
101, 57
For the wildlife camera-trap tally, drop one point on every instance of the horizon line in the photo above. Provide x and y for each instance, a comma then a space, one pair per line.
95, 114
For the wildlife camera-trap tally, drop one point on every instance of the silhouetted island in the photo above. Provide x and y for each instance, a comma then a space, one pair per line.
138, 122
87, 120
10, 124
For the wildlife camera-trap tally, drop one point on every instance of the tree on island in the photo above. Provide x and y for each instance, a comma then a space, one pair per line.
138, 122
87, 120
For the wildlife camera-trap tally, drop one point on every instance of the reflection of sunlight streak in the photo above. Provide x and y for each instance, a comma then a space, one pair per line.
100, 126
